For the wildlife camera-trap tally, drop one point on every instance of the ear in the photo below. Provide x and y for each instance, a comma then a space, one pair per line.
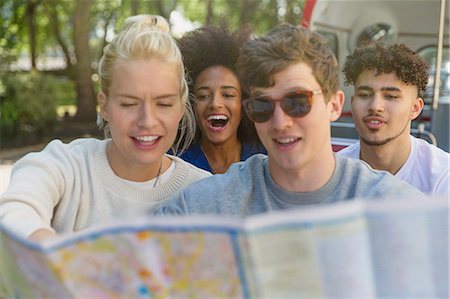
102, 103
336, 103
416, 108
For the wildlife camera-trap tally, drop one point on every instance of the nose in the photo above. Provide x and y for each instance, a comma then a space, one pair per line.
146, 116
377, 103
216, 101
280, 120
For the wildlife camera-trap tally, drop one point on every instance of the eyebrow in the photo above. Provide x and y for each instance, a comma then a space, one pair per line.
221, 87
125, 95
386, 88
258, 92
163, 96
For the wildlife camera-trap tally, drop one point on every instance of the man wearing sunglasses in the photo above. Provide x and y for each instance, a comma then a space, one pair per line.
388, 80
292, 77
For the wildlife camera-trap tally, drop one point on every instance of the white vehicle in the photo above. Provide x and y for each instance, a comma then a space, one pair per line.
421, 24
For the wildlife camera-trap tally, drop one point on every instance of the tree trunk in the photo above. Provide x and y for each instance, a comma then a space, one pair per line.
134, 7
209, 12
161, 9
55, 25
248, 7
30, 17
103, 42
86, 102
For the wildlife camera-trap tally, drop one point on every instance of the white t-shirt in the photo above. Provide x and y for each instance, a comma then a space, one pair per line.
427, 167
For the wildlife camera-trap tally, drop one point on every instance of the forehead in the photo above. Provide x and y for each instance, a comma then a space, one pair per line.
145, 73
297, 75
370, 79
217, 75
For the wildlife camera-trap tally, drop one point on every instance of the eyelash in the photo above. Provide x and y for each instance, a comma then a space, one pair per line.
389, 97
127, 104
206, 97
165, 105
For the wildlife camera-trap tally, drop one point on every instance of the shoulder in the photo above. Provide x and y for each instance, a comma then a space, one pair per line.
191, 153
220, 193
351, 151
425, 148
360, 177
429, 158
238, 176
59, 152
249, 150
195, 156
191, 170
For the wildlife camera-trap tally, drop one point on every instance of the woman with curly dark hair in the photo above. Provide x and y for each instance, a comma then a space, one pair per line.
388, 81
224, 133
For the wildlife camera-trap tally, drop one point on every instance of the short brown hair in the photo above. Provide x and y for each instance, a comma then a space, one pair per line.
283, 46
386, 59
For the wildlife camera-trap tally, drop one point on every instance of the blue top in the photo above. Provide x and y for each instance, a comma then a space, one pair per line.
247, 188
195, 155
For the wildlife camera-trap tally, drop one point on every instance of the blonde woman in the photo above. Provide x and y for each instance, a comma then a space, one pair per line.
145, 112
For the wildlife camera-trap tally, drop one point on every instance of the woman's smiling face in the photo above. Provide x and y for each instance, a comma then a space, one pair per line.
218, 104
143, 110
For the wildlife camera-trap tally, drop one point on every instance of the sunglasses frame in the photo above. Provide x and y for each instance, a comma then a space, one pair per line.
267, 97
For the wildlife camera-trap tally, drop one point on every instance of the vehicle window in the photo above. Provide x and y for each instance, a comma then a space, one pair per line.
376, 33
331, 40
430, 55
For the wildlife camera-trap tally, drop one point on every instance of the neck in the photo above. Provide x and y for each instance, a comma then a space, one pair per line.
308, 177
221, 156
390, 157
135, 171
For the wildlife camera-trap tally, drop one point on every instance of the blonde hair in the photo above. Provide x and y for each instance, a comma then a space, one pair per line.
144, 37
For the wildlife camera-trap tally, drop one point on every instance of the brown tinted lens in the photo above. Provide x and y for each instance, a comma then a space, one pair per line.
296, 104
258, 109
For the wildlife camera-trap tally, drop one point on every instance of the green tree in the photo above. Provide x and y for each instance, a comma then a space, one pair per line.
78, 30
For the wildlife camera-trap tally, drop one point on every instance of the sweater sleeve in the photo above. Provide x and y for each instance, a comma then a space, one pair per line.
36, 185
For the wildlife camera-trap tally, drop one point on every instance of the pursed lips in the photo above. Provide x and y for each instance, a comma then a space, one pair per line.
374, 121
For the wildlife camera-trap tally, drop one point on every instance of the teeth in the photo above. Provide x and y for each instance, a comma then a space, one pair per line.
146, 138
375, 122
286, 140
217, 117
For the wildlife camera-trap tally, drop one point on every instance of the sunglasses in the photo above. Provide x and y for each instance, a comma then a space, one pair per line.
296, 103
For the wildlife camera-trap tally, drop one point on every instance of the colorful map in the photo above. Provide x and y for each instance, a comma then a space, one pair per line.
138, 265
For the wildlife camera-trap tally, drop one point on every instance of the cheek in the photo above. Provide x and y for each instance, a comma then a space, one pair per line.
236, 109
358, 108
261, 128
199, 108
180, 114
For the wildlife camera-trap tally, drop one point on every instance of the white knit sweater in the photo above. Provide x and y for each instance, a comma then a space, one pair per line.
69, 187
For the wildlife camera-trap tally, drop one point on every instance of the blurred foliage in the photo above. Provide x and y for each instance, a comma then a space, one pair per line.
27, 107
64, 93
37, 31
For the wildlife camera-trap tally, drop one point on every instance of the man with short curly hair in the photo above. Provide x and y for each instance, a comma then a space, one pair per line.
388, 80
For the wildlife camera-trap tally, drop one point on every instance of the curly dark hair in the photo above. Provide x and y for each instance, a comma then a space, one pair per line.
386, 59
216, 46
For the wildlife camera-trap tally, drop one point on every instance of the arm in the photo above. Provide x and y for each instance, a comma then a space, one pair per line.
34, 191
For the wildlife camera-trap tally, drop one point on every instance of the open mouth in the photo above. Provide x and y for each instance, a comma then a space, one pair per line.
217, 120
146, 140
286, 141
